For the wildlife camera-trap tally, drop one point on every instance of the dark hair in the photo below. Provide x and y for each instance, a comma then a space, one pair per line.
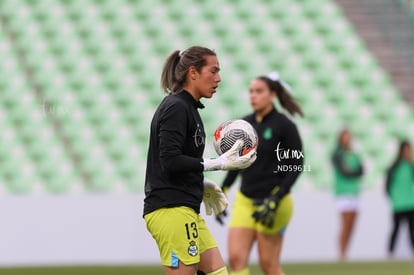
178, 63
285, 99
390, 171
403, 144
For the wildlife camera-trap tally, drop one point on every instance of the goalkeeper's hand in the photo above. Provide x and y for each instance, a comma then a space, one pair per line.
214, 199
266, 210
231, 160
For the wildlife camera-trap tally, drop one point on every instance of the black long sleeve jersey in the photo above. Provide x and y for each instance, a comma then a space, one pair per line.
174, 175
279, 158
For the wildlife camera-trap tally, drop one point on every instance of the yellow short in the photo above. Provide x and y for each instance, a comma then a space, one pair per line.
180, 233
243, 209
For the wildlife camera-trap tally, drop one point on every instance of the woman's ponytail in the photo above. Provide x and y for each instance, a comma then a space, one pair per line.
168, 78
283, 95
287, 101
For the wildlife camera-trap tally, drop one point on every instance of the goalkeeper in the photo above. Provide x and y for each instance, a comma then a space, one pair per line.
263, 206
174, 183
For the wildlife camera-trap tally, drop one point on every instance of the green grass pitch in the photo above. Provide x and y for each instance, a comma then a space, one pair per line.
369, 268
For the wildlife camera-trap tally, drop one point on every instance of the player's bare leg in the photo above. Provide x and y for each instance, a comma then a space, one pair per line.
348, 221
269, 247
211, 262
240, 242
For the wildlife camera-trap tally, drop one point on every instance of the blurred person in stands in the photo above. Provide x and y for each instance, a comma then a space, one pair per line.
263, 206
348, 170
400, 190
174, 183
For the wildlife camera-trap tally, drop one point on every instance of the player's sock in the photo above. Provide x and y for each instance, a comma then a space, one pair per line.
244, 271
221, 271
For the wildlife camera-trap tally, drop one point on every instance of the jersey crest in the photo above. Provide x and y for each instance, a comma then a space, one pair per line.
267, 134
193, 249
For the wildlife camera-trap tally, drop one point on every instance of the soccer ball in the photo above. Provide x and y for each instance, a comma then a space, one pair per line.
230, 131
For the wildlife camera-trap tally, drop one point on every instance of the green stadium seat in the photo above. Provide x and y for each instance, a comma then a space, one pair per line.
80, 51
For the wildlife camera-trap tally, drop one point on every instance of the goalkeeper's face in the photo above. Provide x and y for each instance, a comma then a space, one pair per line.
261, 97
205, 82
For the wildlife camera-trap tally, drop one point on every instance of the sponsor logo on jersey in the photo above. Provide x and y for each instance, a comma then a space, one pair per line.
199, 137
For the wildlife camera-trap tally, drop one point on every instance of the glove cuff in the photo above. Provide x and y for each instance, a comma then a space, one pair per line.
213, 164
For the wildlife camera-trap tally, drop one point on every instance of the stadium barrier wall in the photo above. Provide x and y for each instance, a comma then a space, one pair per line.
108, 229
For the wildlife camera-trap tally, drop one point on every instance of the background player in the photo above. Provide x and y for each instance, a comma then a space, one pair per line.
174, 176
263, 206
400, 189
348, 170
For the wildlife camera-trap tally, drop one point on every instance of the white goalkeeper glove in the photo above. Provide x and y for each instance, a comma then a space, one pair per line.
231, 160
214, 199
